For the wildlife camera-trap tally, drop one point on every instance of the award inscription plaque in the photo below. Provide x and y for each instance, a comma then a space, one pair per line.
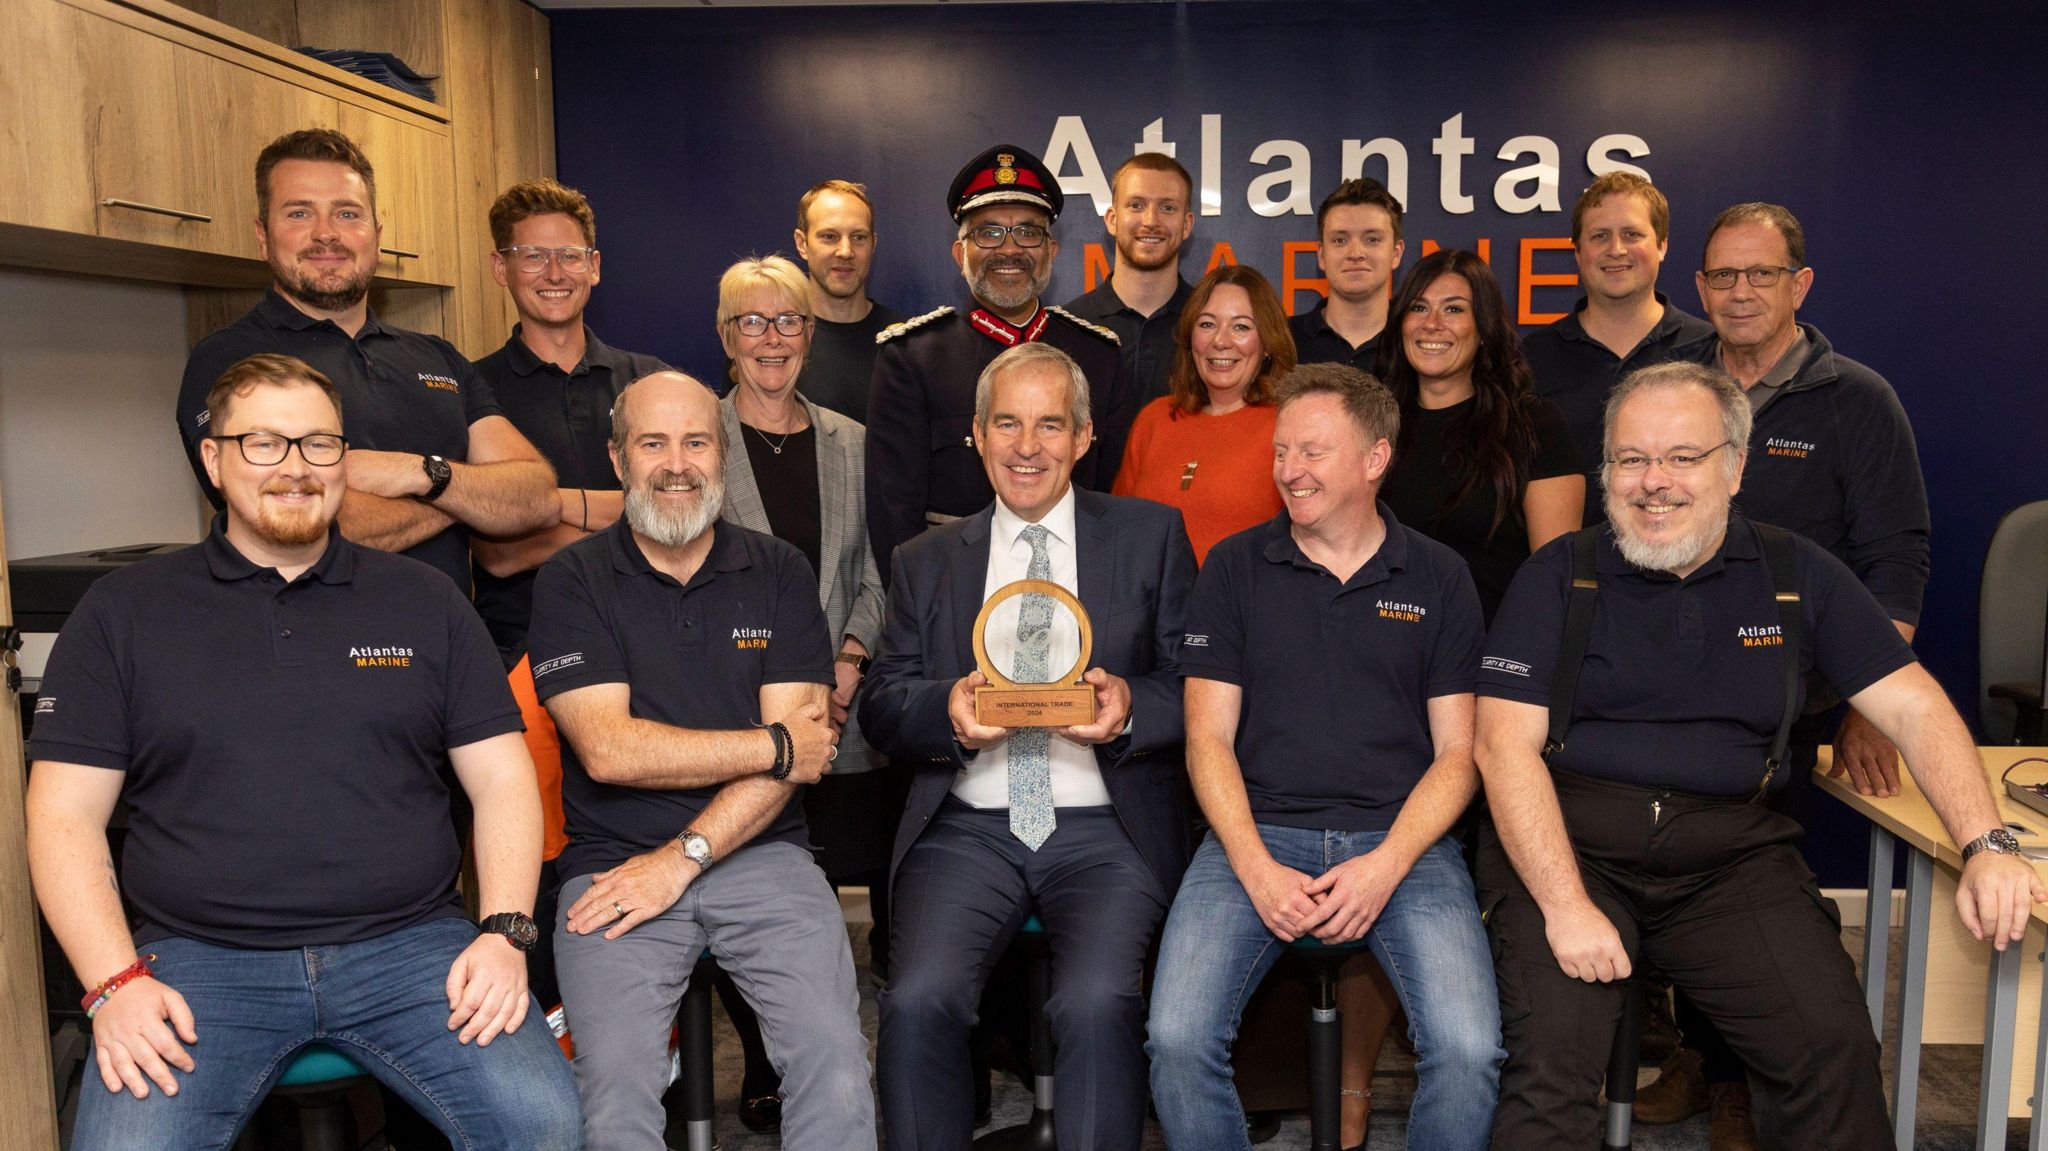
1063, 702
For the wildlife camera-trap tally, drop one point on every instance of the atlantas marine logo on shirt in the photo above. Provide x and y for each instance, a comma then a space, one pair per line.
381, 656
752, 638
1412, 613
443, 383
1779, 446
1773, 636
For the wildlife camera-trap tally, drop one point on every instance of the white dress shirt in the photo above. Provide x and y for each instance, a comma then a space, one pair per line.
1076, 778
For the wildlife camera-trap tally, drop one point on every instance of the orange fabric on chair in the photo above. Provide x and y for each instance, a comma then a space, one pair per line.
545, 745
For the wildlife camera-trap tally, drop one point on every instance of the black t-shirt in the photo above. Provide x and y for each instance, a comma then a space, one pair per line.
401, 391
1576, 372
1424, 478
1148, 341
841, 362
1683, 684
695, 656
788, 482
1337, 678
285, 745
568, 418
1316, 342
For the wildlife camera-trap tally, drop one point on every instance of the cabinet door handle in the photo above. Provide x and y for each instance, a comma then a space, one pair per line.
400, 253
175, 213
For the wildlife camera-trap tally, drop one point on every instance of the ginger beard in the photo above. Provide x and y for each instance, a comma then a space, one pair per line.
288, 526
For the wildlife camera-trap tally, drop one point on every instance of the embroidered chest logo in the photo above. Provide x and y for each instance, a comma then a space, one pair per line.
1772, 636
381, 656
442, 383
1796, 449
752, 638
1408, 612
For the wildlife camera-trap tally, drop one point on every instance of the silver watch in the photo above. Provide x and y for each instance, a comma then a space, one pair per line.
696, 848
1998, 839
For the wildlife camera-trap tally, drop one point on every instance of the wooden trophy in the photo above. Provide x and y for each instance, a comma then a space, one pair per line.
1003, 702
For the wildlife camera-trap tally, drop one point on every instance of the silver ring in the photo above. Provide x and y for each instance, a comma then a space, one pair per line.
620, 908
833, 754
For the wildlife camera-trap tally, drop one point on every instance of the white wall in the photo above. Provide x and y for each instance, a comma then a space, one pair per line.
89, 452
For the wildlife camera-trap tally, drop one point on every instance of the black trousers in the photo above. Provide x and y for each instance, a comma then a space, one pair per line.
1712, 893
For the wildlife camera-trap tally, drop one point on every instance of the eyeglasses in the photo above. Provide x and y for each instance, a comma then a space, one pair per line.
533, 259
1026, 235
320, 449
756, 324
1761, 276
1676, 462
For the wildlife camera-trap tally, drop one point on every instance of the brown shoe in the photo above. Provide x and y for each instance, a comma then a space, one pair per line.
1678, 1093
1731, 1128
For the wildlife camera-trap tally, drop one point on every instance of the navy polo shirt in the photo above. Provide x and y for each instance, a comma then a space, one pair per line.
1337, 677
1147, 342
285, 745
1316, 342
695, 656
1683, 684
401, 391
567, 416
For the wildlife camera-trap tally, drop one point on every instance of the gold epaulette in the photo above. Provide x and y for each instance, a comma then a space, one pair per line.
895, 330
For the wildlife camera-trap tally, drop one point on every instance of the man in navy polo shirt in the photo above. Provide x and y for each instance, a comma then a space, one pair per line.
431, 457
661, 646
1645, 838
1358, 248
278, 706
1328, 660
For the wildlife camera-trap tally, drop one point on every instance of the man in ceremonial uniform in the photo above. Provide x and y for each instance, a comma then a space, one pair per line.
922, 466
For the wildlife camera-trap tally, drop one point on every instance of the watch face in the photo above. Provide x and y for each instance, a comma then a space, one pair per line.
698, 849
519, 929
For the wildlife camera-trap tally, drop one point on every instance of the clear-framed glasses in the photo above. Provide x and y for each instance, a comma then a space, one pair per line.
1675, 462
790, 324
991, 235
533, 259
320, 449
1761, 276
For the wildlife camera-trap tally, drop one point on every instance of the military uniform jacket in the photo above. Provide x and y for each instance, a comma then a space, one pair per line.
920, 450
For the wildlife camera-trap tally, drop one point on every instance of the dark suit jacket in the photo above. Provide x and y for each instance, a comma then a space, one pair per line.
1136, 571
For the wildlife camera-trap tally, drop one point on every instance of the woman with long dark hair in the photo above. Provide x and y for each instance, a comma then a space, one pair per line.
1484, 465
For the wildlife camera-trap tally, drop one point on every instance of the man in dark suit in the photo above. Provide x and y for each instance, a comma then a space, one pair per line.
1083, 826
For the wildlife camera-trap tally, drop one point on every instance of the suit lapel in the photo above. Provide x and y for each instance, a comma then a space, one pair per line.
742, 495
969, 576
1094, 549
831, 489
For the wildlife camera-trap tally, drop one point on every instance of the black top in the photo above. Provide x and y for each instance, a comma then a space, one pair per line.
1832, 457
1576, 371
1148, 347
568, 417
788, 481
1681, 686
695, 655
1424, 478
285, 744
841, 362
920, 449
1337, 678
1316, 342
401, 391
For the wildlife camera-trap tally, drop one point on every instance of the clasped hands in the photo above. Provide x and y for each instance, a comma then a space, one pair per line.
1338, 907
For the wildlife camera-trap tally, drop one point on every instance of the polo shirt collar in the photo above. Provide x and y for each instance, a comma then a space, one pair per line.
1392, 556
1574, 328
1317, 321
336, 565
1107, 303
523, 362
1739, 543
1005, 525
279, 312
728, 553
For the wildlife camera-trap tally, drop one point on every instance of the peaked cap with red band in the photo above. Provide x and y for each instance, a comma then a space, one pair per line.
1005, 174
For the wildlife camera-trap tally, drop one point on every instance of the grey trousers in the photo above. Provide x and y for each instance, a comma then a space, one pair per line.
771, 920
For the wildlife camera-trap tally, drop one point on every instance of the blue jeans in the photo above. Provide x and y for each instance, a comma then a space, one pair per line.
381, 1002
1428, 938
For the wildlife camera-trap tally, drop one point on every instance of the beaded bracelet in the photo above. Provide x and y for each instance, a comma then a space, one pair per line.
98, 996
783, 752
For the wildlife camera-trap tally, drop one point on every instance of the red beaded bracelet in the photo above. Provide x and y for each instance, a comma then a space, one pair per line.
98, 996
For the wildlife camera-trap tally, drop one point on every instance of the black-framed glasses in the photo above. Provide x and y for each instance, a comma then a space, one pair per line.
533, 259
1674, 462
991, 235
264, 449
755, 324
1761, 276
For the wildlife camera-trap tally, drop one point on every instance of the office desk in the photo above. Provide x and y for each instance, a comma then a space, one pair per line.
1908, 818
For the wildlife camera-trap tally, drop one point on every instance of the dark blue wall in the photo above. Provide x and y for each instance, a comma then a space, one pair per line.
1910, 145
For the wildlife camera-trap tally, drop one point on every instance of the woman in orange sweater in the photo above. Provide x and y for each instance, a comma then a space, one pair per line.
1206, 447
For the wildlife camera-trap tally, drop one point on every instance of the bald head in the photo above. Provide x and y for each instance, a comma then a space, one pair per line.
664, 391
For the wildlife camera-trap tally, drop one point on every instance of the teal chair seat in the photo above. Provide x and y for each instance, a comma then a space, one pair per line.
317, 1064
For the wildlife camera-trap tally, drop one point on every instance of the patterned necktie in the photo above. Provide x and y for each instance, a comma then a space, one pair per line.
1031, 818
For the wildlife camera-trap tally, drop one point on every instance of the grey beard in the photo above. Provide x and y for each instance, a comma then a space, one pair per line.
1686, 549
675, 528
987, 293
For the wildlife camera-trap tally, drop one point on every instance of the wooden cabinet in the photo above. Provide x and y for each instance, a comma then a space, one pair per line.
415, 197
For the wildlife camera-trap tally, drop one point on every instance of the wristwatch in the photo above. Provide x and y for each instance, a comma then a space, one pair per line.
860, 662
438, 475
1997, 840
517, 927
696, 848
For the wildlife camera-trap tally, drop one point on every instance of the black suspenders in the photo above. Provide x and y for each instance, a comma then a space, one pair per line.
1778, 548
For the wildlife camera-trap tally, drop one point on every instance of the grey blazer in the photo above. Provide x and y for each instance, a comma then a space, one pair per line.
849, 585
